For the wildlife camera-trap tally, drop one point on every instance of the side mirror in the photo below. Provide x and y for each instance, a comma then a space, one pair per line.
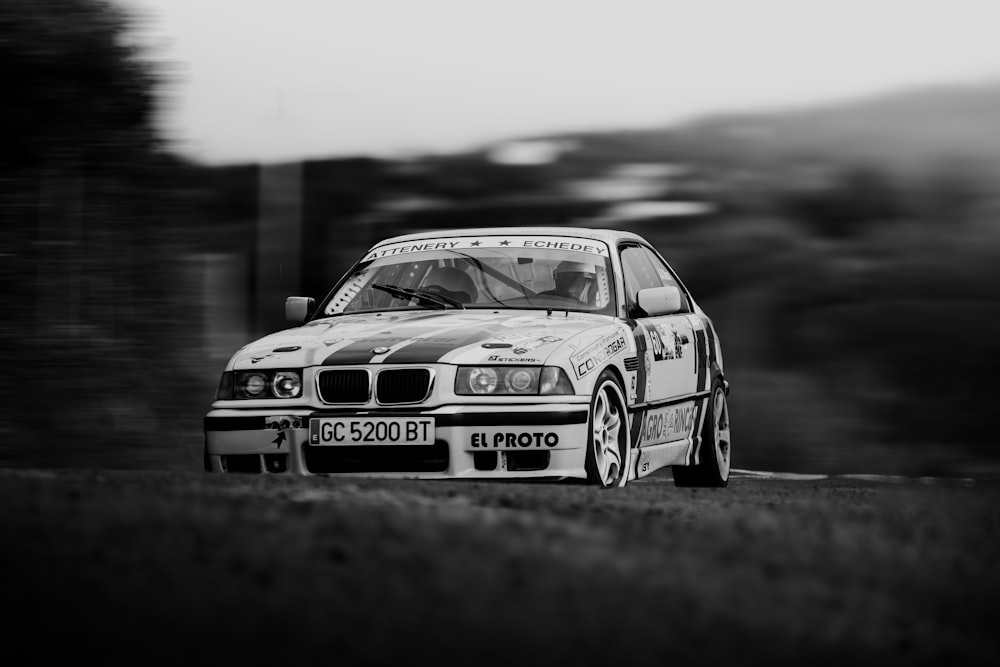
660, 300
298, 308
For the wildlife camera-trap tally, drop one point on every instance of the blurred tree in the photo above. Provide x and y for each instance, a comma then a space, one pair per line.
90, 276
75, 89
77, 127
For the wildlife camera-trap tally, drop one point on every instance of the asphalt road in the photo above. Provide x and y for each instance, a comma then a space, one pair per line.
167, 567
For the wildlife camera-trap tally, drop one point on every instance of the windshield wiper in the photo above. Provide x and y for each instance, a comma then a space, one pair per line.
489, 270
434, 298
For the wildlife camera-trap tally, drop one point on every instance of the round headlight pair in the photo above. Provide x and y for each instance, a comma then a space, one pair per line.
283, 384
497, 380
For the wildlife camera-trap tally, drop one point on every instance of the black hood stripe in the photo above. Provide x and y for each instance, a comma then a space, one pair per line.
360, 351
431, 349
425, 342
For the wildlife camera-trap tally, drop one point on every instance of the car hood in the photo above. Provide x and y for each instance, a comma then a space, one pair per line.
450, 336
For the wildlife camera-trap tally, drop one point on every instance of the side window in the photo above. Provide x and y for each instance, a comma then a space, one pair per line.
667, 277
643, 269
639, 273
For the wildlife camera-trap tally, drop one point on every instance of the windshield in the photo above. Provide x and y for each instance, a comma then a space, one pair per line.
535, 272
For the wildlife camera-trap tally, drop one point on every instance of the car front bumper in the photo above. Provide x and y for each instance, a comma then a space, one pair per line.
470, 441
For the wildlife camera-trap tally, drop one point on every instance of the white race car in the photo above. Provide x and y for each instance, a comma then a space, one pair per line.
495, 353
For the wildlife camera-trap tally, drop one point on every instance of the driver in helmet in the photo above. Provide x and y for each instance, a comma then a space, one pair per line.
451, 282
574, 280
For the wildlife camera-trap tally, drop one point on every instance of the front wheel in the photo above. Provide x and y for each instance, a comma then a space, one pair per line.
715, 455
608, 446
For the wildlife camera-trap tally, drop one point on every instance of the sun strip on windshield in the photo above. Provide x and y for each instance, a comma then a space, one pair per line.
512, 242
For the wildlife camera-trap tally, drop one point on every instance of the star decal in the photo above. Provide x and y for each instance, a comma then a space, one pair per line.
476, 243
505, 242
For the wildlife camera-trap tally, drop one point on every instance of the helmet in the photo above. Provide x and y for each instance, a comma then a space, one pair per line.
574, 279
569, 266
452, 282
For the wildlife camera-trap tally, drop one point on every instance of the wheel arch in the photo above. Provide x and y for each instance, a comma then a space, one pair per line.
627, 461
618, 377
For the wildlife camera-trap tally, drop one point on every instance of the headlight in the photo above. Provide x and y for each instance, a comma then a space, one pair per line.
477, 380
286, 384
252, 385
511, 380
259, 384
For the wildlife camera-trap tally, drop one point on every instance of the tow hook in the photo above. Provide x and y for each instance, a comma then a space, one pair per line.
282, 422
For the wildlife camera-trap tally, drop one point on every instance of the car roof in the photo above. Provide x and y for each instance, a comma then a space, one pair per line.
610, 236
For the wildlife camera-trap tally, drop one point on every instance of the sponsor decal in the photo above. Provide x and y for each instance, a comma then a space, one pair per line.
592, 356
539, 242
666, 424
642, 467
565, 245
679, 342
512, 360
532, 344
412, 247
656, 343
507, 440
666, 343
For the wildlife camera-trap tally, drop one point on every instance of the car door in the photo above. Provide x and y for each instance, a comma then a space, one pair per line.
670, 360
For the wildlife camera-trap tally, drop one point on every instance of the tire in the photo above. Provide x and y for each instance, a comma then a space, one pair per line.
715, 456
609, 448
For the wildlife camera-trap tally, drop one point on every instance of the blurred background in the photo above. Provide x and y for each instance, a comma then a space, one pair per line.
825, 177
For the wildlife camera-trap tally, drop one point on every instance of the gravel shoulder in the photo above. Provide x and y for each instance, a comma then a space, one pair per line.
166, 566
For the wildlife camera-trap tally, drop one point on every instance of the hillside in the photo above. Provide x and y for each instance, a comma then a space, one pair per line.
910, 131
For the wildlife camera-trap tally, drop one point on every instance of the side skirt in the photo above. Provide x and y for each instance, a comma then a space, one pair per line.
651, 458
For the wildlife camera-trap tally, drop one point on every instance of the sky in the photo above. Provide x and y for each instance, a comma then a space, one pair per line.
282, 80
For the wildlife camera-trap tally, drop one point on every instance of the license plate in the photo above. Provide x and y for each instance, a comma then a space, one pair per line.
371, 431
